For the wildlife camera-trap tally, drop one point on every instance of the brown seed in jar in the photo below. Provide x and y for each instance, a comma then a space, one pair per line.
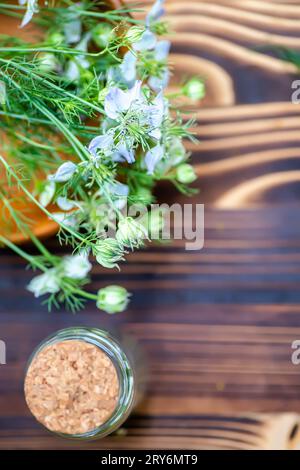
72, 387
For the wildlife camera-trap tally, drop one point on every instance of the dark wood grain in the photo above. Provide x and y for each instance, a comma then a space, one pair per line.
217, 325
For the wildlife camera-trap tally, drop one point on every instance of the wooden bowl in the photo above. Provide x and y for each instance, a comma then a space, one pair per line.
41, 226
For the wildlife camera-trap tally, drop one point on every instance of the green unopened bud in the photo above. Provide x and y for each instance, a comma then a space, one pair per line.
113, 299
47, 62
56, 39
102, 34
185, 173
143, 195
108, 252
131, 233
194, 89
134, 34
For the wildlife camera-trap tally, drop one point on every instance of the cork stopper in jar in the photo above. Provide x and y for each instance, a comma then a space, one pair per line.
72, 387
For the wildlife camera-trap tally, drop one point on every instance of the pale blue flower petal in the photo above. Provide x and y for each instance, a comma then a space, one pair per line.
128, 67
102, 142
63, 173
32, 8
122, 154
152, 157
146, 43
119, 189
156, 12
159, 83
162, 50
65, 204
118, 101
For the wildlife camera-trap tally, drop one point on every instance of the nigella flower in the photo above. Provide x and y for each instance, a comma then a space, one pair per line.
118, 101
102, 142
108, 252
32, 7
131, 233
131, 110
46, 283
76, 266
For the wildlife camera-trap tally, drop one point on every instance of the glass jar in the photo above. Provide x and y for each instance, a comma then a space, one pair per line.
130, 389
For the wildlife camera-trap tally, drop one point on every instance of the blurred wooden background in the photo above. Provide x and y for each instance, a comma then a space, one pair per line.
217, 324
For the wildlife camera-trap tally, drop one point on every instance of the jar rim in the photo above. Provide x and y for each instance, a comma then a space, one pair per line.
111, 347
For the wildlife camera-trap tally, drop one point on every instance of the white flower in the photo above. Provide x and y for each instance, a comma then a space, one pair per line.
32, 7
46, 196
2, 92
76, 266
63, 173
46, 283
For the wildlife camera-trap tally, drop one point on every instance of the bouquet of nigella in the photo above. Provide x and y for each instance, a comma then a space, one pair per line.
86, 130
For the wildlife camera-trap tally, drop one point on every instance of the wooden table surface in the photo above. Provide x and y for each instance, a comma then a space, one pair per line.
217, 325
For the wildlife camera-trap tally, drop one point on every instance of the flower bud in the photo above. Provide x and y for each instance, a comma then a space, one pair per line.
194, 89
185, 173
131, 233
47, 62
108, 252
76, 266
134, 34
102, 34
55, 39
113, 299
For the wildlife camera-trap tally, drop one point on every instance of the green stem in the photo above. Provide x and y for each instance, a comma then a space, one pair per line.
23, 254
51, 85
